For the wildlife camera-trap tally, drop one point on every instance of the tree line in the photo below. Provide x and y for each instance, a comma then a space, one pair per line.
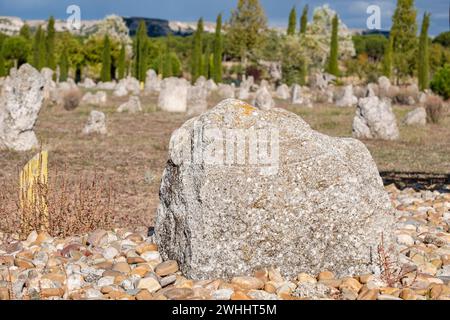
244, 41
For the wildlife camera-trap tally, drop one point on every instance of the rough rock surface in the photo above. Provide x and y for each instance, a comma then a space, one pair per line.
200, 82
384, 85
152, 82
49, 85
283, 92
320, 81
133, 105
273, 68
197, 100
210, 85
87, 83
301, 96
417, 117
96, 99
120, 90
348, 99
317, 203
263, 99
244, 88
111, 85
96, 123
374, 119
226, 91
21, 100
173, 95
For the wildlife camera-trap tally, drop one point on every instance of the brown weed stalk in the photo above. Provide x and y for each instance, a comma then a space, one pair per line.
391, 273
73, 206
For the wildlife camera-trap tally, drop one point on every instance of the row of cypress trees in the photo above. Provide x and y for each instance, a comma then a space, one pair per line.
401, 42
203, 63
44, 46
400, 57
292, 25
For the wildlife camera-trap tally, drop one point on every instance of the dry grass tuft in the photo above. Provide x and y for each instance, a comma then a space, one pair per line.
391, 272
71, 99
72, 207
435, 109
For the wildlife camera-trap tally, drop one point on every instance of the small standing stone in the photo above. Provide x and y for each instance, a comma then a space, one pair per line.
96, 123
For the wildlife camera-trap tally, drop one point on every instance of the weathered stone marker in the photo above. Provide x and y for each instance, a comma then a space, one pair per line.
246, 188
21, 100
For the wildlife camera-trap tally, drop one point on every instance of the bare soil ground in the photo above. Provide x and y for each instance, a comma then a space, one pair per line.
134, 152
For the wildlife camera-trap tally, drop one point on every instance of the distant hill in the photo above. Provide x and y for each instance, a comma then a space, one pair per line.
155, 27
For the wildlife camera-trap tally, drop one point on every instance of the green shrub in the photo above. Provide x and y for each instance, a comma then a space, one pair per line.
441, 82
443, 39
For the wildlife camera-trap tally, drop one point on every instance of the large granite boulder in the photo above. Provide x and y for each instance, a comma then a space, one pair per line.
245, 188
173, 95
21, 100
374, 119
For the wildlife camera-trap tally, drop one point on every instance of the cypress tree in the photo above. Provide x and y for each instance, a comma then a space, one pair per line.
303, 72
205, 62
42, 51
160, 66
424, 55
246, 30
387, 59
167, 64
2, 63
304, 20
122, 63
143, 59
39, 54
404, 32
218, 51
197, 52
140, 52
63, 66
333, 66
50, 44
25, 32
292, 25
106, 60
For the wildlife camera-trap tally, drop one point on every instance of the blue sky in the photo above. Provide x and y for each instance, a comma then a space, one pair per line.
353, 12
